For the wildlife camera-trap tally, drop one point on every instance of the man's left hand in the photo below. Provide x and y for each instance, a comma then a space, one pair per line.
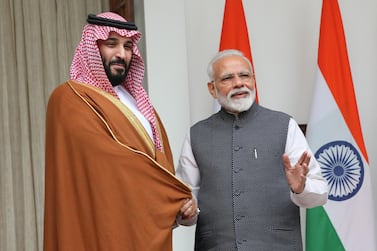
296, 175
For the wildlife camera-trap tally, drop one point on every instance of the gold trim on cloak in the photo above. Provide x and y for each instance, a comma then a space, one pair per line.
124, 109
133, 119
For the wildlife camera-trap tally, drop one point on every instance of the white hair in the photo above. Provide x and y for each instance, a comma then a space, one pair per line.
222, 54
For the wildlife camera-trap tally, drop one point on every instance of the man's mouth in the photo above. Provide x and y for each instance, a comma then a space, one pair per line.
241, 94
119, 67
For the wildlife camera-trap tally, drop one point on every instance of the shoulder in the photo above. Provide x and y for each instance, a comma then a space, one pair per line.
59, 92
272, 112
63, 88
208, 121
65, 93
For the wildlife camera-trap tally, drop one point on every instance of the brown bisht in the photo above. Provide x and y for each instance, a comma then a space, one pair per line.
106, 186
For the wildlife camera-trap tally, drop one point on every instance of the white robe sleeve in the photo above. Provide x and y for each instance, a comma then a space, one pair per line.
316, 189
188, 172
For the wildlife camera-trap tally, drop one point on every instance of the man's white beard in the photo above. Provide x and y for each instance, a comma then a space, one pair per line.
236, 105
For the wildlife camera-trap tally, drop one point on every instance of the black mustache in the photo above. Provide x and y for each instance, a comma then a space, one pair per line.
122, 62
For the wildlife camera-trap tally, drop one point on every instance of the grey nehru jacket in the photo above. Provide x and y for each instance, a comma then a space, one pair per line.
244, 197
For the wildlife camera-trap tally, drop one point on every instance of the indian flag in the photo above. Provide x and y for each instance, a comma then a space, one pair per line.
334, 133
234, 34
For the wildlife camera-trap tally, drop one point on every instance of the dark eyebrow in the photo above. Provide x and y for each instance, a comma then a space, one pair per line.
111, 39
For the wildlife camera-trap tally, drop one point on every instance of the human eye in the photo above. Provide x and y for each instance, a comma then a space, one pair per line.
111, 43
245, 75
227, 78
128, 46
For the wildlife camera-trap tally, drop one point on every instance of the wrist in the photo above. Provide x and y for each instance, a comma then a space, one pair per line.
297, 191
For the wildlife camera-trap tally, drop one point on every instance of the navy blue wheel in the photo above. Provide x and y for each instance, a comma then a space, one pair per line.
342, 167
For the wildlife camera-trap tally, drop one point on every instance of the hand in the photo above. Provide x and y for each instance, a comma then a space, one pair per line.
189, 209
296, 175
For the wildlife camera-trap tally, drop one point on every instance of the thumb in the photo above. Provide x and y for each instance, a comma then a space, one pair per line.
286, 161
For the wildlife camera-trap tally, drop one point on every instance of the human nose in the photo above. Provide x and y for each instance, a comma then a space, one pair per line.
238, 81
121, 52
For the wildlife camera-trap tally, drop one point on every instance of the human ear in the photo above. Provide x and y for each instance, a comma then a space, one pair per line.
211, 88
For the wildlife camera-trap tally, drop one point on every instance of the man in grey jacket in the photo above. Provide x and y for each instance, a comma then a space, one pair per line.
250, 168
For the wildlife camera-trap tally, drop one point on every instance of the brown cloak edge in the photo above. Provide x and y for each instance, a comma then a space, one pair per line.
106, 188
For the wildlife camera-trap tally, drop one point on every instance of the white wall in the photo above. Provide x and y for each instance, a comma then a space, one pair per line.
182, 35
168, 83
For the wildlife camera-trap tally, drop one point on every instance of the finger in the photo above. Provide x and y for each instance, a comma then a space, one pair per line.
194, 211
305, 169
190, 212
307, 159
303, 158
286, 161
305, 164
187, 204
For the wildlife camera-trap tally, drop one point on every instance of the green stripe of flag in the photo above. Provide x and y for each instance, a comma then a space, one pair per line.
326, 240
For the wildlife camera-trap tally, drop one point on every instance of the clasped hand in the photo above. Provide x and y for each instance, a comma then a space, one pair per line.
189, 209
